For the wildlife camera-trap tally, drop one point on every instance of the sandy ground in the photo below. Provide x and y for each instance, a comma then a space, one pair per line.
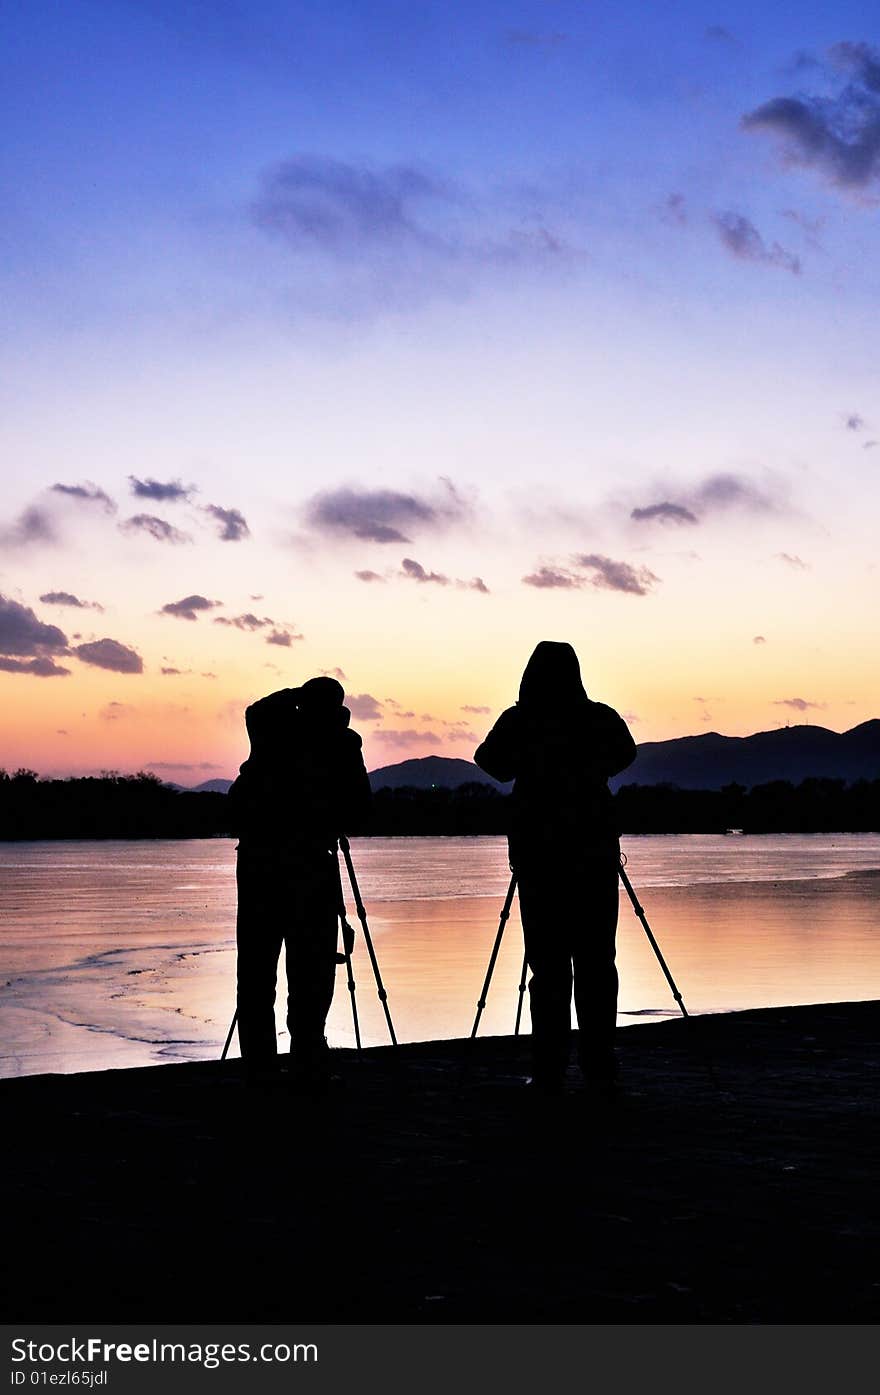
734, 1179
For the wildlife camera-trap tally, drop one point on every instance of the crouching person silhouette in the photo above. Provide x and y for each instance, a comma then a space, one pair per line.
560, 749
303, 784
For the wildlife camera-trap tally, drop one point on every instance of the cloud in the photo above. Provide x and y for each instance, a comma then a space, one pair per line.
284, 638
723, 491
68, 599
476, 583
854, 422
248, 621
742, 240
189, 607
87, 493
22, 635
114, 710
38, 668
232, 524
182, 765
333, 673
157, 528
369, 576
477, 711
716, 33
33, 525
110, 654
798, 703
364, 707
837, 136
792, 560
172, 672
869, 445
617, 576
414, 571
381, 515
674, 210
759, 639
551, 579
664, 513
171, 492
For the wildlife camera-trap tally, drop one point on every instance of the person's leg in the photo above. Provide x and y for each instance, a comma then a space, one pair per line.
595, 972
311, 958
548, 955
259, 935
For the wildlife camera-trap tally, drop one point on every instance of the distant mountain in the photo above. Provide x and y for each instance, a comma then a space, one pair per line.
211, 787
794, 753
430, 772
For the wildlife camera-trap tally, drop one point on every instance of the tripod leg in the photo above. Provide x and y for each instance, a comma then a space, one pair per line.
653, 943
505, 912
368, 939
232, 1026
354, 1011
521, 992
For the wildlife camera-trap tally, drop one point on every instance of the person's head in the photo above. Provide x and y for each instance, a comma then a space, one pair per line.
276, 718
552, 677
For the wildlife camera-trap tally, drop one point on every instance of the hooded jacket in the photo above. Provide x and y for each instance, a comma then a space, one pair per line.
304, 781
560, 749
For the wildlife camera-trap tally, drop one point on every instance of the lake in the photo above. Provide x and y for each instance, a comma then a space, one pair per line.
123, 953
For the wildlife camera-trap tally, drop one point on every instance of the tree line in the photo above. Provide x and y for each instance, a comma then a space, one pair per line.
141, 806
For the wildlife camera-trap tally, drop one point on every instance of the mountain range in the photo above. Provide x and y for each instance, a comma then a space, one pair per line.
708, 762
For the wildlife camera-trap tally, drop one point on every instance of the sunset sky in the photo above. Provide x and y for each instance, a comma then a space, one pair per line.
390, 338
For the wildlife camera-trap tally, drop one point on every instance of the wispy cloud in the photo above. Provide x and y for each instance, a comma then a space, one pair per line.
33, 525
364, 707
37, 668
414, 571
742, 239
154, 527
609, 575
66, 598
369, 576
791, 559
799, 704
553, 579
665, 512
384, 515
87, 493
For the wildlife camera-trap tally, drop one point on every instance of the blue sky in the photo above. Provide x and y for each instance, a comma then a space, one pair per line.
579, 260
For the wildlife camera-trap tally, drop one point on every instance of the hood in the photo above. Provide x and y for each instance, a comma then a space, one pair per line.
276, 720
552, 678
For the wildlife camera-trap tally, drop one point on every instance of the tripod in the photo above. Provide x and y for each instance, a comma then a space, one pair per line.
505, 914
345, 957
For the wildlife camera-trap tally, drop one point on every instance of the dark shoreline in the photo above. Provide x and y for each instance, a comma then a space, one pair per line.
734, 1180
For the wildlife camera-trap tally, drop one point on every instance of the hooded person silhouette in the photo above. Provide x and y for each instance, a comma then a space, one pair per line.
560, 748
302, 785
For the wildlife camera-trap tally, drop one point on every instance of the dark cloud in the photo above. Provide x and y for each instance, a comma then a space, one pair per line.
664, 513
110, 654
798, 703
381, 515
742, 240
854, 422
22, 635
284, 638
792, 560
364, 707
232, 525
414, 571
759, 639
552, 579
33, 525
171, 492
171, 672
88, 493
609, 575
837, 136
189, 607
477, 711
157, 528
38, 668
369, 576
66, 598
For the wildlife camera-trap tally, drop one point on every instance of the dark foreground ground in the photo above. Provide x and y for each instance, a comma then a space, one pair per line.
735, 1179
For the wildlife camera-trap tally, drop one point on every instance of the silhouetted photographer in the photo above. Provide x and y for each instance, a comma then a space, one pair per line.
560, 748
302, 786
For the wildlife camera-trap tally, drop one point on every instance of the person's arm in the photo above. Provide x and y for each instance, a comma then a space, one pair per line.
356, 796
499, 754
616, 748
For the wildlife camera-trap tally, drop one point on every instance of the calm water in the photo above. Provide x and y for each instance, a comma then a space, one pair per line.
122, 953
